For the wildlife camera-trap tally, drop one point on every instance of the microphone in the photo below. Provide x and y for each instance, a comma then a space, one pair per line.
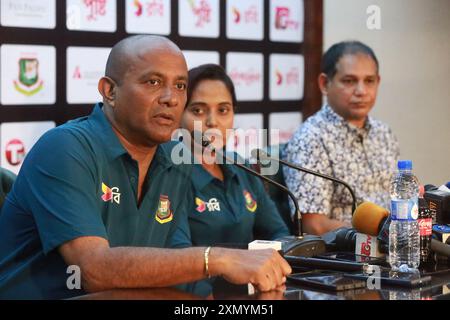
371, 219
205, 142
261, 156
325, 264
298, 246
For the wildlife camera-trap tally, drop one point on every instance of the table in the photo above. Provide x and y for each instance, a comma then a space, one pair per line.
438, 289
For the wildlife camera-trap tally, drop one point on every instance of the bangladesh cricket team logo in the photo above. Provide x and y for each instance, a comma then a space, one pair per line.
28, 82
164, 213
250, 203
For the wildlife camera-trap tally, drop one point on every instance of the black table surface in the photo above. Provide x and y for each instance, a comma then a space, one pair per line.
437, 289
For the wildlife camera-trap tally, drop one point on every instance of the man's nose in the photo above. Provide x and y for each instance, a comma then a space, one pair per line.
360, 88
168, 97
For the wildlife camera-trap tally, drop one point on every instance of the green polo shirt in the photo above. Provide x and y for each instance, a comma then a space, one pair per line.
78, 180
229, 211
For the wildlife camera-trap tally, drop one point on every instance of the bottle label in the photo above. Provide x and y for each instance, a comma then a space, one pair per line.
425, 226
404, 209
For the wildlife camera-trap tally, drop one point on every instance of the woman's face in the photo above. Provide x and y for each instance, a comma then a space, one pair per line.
210, 111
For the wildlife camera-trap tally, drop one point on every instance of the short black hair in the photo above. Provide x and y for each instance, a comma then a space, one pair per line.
338, 50
209, 71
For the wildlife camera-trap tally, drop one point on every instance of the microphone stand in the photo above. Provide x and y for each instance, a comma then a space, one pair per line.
298, 227
296, 245
260, 154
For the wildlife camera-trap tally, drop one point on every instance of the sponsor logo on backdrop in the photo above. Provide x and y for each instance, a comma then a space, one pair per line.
279, 77
82, 74
245, 137
79, 74
286, 76
26, 9
250, 15
236, 15
247, 77
155, 8
28, 82
96, 7
28, 13
292, 77
138, 6
15, 152
283, 19
152, 8
202, 12
17, 138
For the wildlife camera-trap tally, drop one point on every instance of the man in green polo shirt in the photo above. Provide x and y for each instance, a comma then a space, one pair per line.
101, 195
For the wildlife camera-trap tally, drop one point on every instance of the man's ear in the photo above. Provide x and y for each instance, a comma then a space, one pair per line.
323, 83
107, 88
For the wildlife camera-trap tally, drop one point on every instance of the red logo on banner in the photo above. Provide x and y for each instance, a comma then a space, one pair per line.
245, 77
203, 12
250, 15
279, 77
15, 152
237, 15
155, 8
292, 76
97, 8
138, 6
283, 20
77, 73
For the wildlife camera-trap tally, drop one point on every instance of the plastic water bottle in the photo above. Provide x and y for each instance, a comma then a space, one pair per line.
404, 242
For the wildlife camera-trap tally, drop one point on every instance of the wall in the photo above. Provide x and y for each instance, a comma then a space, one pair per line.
52, 54
414, 51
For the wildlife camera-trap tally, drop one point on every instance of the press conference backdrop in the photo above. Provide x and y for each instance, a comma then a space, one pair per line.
53, 53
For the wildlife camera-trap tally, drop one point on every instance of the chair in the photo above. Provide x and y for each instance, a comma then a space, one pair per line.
7, 179
278, 196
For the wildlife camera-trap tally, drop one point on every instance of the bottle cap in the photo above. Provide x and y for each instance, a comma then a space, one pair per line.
404, 165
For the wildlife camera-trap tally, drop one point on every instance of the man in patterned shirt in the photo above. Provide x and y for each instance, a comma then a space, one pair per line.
341, 140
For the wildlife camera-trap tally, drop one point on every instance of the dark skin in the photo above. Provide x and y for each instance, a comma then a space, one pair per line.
157, 96
144, 93
212, 106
